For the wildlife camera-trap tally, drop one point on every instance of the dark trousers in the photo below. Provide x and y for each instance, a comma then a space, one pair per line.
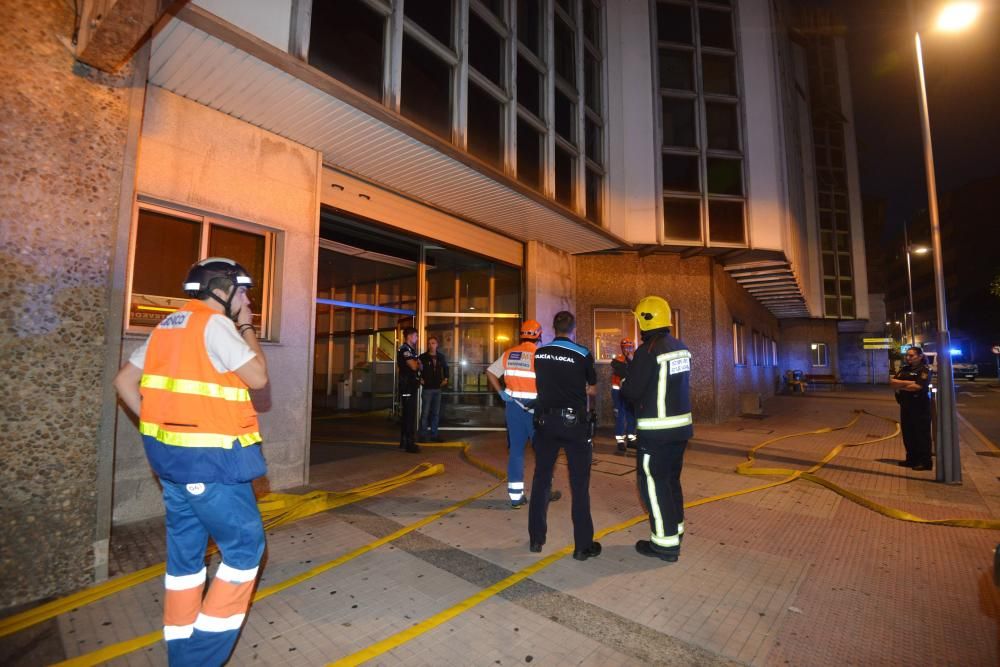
408, 422
551, 434
915, 422
658, 470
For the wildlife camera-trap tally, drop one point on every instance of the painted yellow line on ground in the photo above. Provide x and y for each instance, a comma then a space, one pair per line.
400, 638
113, 651
276, 509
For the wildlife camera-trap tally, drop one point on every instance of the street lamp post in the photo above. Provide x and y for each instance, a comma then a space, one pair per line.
955, 16
911, 249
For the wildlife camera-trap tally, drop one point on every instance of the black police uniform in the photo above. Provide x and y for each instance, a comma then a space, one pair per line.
915, 416
563, 370
409, 384
658, 385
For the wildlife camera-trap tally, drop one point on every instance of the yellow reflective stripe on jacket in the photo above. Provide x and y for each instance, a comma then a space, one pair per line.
177, 439
208, 389
660, 423
517, 373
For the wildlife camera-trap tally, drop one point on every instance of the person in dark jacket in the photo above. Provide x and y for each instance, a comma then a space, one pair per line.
657, 383
912, 393
566, 380
433, 378
408, 369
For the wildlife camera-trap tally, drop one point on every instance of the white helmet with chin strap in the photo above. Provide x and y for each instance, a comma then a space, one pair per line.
202, 273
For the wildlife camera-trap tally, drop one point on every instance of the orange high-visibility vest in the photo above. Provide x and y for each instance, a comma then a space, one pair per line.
616, 381
185, 401
519, 371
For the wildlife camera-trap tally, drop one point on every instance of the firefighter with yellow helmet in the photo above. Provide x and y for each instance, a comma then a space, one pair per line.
657, 383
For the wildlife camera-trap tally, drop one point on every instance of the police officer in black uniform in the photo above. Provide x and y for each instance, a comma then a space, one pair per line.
408, 365
565, 378
657, 382
912, 393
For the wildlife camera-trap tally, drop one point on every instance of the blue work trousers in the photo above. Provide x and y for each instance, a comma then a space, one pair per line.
520, 429
624, 414
204, 632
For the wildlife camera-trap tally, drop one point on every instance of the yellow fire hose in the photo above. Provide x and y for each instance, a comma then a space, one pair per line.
374, 650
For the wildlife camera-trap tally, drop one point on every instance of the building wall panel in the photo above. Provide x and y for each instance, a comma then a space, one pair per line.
194, 157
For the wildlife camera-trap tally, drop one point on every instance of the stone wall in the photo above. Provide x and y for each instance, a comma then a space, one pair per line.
733, 303
620, 281
705, 300
796, 337
63, 136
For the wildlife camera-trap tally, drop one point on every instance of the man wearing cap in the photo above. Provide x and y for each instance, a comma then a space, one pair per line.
188, 383
657, 382
517, 368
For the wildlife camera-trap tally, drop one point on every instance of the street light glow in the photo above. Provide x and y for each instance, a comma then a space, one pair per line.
919, 250
957, 16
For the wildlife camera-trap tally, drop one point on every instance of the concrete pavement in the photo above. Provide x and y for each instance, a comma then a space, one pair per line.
790, 575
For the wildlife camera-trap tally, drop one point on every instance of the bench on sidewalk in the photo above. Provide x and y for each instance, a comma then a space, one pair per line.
831, 381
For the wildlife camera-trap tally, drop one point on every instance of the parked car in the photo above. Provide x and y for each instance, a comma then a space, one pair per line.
967, 371
959, 370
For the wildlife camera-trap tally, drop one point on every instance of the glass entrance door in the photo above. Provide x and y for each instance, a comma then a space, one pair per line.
363, 301
473, 308
367, 293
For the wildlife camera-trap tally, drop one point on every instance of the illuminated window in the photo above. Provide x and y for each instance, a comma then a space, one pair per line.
758, 349
610, 326
774, 353
739, 343
168, 242
818, 354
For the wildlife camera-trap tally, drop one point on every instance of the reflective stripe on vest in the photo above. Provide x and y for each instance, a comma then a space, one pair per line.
186, 401
660, 423
520, 381
178, 439
181, 386
522, 394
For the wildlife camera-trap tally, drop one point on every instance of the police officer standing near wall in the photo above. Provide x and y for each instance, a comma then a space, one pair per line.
657, 382
565, 378
408, 368
912, 393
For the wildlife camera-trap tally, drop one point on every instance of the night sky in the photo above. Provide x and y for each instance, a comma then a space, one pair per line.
963, 88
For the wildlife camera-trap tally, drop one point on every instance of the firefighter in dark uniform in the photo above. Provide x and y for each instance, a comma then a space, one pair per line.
912, 384
657, 382
408, 365
565, 379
